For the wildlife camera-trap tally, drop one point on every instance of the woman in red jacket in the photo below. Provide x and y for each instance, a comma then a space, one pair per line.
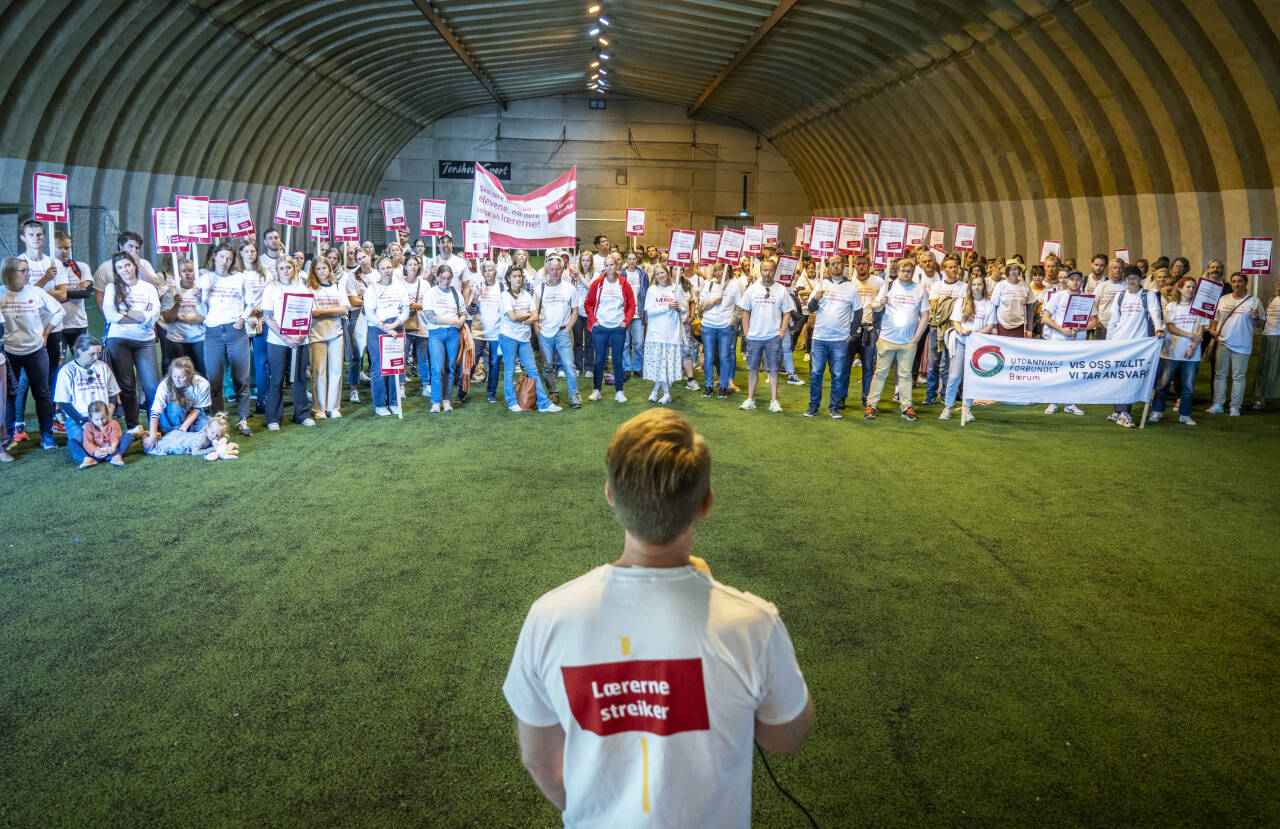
610, 306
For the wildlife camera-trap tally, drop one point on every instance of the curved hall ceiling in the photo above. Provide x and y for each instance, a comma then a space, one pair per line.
1149, 124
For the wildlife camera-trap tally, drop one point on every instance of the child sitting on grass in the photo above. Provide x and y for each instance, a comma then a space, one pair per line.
103, 438
211, 441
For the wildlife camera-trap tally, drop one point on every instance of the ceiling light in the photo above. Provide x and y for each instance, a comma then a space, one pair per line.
603, 55
594, 64
594, 9
603, 22
595, 31
595, 77
602, 41
604, 71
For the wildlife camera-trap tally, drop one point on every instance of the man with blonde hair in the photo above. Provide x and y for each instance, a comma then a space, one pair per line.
638, 687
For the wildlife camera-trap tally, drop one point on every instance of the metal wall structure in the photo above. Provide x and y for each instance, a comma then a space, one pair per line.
1147, 124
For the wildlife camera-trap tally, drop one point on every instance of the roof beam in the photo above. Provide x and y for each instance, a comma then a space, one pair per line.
777, 14
456, 45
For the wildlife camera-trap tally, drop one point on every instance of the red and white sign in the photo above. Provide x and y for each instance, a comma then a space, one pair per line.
800, 244
218, 226
1048, 246
731, 242
850, 238
681, 247
1079, 309
823, 234
1122, 254
289, 205
239, 220
939, 254
964, 236
49, 196
393, 217
391, 354
346, 223
770, 233
937, 238
635, 222
295, 317
707, 249
545, 218
808, 234
893, 236
475, 238
660, 696
754, 245
164, 225
1205, 302
193, 219
871, 224
318, 215
786, 272
1255, 255
432, 218
916, 233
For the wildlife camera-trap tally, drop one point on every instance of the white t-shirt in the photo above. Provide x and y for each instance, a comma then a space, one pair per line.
188, 303
558, 302
903, 306
354, 284
143, 301
834, 320
225, 298
670, 698
766, 306
868, 289
523, 304
1011, 302
35, 272
456, 264
598, 262
443, 304
611, 309
331, 297
634, 278
489, 323
1105, 293
82, 386
197, 394
665, 307
273, 303
983, 315
385, 302
1179, 315
1128, 317
26, 313
801, 284
942, 288
1056, 307
76, 316
719, 316
1272, 326
1235, 327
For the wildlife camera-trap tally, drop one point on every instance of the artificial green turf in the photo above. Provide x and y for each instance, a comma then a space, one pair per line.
1030, 620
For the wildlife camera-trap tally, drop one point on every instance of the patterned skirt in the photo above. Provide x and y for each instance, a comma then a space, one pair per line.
662, 362
1268, 382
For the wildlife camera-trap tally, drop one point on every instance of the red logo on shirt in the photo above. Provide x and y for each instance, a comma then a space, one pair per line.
661, 696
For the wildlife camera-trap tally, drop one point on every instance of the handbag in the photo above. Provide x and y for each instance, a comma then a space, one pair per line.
527, 393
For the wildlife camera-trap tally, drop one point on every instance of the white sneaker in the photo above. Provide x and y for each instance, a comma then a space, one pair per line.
966, 415
653, 396
1235, 412
395, 410
136, 430
355, 396
620, 397
1052, 408
1113, 417
435, 408
320, 415
594, 396
692, 385
273, 427
426, 391
1155, 417
448, 407
551, 408
335, 414
307, 422
1074, 409
946, 414
1186, 420
775, 406
1216, 408
747, 404
793, 380
560, 373
515, 407
382, 411
364, 378
666, 398
1259, 405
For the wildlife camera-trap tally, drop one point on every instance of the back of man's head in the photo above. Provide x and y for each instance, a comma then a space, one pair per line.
659, 473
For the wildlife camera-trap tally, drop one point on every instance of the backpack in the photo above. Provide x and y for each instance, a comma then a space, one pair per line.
798, 319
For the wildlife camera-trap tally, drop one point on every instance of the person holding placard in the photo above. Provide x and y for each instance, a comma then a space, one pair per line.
718, 300
446, 256
29, 314
131, 307
1180, 355
227, 302
836, 310
288, 356
944, 295
44, 273
324, 343
1134, 314
386, 307
1267, 383
444, 312
355, 284
417, 343
1232, 328
766, 315
867, 330
519, 314
906, 318
79, 288
272, 249
487, 328
1105, 293
256, 277
973, 314
665, 306
1055, 323
183, 322
610, 307
557, 313
638, 278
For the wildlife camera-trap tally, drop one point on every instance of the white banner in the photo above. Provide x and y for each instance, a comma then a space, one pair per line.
1017, 370
545, 218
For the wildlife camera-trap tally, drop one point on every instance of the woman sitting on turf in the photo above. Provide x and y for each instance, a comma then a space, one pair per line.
82, 382
181, 404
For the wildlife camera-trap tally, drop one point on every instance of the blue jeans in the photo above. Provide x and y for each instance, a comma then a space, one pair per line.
261, 368
788, 358
939, 368
354, 355
605, 340
492, 350
516, 350
386, 389
225, 344
75, 441
954, 377
562, 344
444, 344
173, 415
822, 354
633, 346
1185, 371
128, 357
718, 345
419, 346
283, 360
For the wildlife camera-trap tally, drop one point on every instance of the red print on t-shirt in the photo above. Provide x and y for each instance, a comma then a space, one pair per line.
660, 696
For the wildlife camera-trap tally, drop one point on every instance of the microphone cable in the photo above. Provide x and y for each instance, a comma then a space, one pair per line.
785, 793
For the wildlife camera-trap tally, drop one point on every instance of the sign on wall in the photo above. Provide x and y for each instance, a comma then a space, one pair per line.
466, 169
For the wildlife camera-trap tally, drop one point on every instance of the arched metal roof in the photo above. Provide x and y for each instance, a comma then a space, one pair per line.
1141, 122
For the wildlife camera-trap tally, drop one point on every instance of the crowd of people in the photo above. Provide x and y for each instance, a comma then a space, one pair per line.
184, 340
